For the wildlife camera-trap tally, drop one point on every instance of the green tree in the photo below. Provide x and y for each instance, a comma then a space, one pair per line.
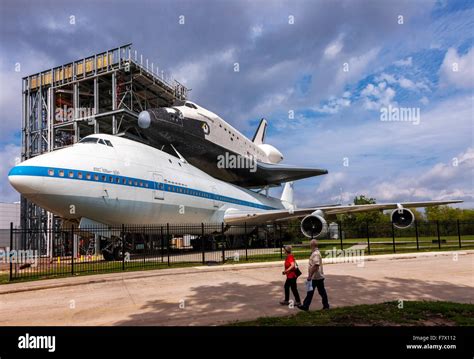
360, 219
444, 213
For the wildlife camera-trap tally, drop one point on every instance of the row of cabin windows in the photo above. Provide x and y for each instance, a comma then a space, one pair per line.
101, 178
230, 133
232, 139
188, 191
118, 180
176, 183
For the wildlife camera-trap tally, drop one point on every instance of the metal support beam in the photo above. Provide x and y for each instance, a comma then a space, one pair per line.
114, 102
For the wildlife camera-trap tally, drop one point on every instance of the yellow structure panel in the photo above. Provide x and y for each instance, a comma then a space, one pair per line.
66, 72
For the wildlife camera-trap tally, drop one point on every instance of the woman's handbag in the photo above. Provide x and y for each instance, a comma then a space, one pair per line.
297, 270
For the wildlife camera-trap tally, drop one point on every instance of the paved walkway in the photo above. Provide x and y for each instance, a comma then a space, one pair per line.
216, 295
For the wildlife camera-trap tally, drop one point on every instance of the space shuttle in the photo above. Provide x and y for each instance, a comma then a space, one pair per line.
214, 146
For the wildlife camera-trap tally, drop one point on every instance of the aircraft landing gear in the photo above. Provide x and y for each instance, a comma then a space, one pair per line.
113, 251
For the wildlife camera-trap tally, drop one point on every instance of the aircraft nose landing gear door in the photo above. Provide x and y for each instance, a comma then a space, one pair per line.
158, 190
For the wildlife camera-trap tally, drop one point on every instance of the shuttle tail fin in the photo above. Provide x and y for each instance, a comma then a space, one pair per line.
259, 136
287, 196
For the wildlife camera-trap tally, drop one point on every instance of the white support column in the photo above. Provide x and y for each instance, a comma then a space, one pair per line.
96, 104
75, 103
50, 116
49, 241
114, 102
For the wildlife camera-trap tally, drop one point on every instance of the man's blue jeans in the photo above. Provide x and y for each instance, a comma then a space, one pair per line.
319, 284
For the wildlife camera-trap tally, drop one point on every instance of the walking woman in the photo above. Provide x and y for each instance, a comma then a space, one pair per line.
291, 277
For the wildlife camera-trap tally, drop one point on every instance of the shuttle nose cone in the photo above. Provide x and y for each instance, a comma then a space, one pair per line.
144, 119
25, 181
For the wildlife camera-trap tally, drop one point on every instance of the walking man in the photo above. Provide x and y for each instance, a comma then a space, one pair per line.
315, 277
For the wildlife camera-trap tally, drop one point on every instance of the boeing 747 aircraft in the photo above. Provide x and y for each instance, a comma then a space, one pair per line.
113, 180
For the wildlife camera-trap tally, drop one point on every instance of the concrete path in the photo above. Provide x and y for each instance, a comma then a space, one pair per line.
216, 295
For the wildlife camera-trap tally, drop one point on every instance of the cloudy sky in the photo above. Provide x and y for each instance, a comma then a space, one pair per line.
321, 72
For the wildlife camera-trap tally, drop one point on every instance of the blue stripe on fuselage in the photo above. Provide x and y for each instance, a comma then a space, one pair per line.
91, 176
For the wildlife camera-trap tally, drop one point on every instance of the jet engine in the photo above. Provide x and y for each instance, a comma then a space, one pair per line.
314, 225
402, 218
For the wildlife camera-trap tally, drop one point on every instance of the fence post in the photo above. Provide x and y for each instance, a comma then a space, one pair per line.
437, 231
281, 235
202, 244
145, 242
168, 242
393, 237
145, 237
11, 249
340, 235
246, 242
416, 233
281, 244
162, 244
459, 233
223, 242
368, 236
72, 252
123, 247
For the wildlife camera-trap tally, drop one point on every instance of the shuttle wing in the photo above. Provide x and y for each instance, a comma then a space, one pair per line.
257, 217
275, 174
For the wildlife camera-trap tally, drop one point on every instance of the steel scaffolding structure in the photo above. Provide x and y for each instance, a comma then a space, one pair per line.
100, 93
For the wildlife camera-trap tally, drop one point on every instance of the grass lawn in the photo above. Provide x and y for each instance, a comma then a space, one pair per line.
413, 313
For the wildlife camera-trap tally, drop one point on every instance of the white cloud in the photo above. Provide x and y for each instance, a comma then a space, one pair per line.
458, 70
460, 166
333, 105
334, 47
256, 31
402, 82
377, 96
195, 73
356, 67
388, 161
332, 181
273, 100
443, 181
390, 79
64, 23
405, 62
440, 182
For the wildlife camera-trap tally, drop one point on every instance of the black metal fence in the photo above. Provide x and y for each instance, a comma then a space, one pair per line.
72, 251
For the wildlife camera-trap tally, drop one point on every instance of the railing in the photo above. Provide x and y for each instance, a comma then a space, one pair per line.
101, 63
73, 251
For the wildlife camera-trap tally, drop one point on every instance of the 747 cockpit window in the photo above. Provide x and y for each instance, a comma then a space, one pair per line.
89, 140
96, 140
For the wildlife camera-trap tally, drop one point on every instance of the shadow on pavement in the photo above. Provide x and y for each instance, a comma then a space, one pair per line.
232, 301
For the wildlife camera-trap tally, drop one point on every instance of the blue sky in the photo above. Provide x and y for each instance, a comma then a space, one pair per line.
335, 65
